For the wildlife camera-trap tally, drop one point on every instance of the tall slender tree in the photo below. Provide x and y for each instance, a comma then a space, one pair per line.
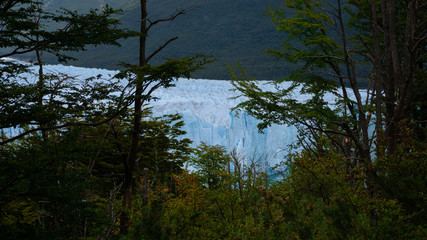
146, 79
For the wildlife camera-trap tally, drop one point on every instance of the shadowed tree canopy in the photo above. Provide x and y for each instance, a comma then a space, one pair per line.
26, 27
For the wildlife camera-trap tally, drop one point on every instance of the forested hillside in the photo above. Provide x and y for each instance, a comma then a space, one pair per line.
231, 31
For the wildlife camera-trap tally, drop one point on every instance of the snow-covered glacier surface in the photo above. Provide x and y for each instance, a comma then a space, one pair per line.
205, 106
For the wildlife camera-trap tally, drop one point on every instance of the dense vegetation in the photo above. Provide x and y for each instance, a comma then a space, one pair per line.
90, 161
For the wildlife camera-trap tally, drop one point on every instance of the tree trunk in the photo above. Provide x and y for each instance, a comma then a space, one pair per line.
136, 132
377, 81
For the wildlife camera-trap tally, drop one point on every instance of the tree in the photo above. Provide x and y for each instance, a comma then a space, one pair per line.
210, 162
41, 174
332, 42
394, 36
146, 79
161, 150
25, 27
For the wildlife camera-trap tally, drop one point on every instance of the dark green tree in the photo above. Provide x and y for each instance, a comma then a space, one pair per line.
210, 162
25, 27
161, 149
330, 45
43, 188
145, 79
331, 41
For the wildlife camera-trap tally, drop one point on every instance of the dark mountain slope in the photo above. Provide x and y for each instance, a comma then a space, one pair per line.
230, 30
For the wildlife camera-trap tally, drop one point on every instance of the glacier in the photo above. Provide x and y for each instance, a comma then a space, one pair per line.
205, 106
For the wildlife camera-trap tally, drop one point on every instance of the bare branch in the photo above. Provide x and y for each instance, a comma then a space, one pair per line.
326, 131
371, 52
171, 18
331, 74
323, 57
16, 51
160, 48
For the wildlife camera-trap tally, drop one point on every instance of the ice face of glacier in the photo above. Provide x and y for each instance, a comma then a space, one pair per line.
205, 106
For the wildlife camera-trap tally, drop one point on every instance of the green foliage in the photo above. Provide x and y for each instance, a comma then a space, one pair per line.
64, 100
63, 187
401, 177
63, 180
162, 150
210, 161
163, 75
340, 204
62, 173
44, 192
313, 44
237, 207
27, 27
345, 181
322, 198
